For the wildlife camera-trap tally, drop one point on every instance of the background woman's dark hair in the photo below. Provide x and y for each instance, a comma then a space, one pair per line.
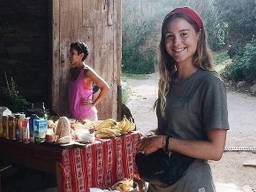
80, 47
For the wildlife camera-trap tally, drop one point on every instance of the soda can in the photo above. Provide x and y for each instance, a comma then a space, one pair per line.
19, 127
17, 130
27, 132
5, 127
1, 127
24, 127
12, 127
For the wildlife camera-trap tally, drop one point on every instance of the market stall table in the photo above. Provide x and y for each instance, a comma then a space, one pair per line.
99, 164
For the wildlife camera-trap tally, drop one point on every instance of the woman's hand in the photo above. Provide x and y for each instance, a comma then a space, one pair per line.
151, 144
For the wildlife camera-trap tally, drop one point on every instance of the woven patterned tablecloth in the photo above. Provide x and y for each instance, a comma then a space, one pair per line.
100, 164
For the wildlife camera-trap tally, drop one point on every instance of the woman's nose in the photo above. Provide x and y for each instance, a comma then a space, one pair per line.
176, 41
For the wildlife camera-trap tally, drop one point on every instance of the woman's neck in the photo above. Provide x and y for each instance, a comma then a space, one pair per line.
79, 65
184, 71
75, 71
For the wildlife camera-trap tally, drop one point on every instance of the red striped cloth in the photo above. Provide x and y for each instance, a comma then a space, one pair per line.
100, 164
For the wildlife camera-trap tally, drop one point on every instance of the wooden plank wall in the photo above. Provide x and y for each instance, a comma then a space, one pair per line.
98, 23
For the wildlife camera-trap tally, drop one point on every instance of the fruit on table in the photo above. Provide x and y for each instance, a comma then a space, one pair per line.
126, 126
126, 185
108, 123
110, 128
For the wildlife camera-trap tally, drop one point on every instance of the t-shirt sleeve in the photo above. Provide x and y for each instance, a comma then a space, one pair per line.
214, 108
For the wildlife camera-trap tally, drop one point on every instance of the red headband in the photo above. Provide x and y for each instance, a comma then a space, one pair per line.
191, 14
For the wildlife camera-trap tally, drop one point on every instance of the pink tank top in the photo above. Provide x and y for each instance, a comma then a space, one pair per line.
76, 94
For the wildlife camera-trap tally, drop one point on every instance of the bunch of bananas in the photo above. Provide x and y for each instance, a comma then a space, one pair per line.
107, 129
110, 128
126, 126
107, 123
124, 186
90, 124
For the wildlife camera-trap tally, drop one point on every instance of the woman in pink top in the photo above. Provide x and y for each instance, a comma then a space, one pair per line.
81, 101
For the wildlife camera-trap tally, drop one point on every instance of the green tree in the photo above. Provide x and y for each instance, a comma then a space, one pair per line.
243, 66
138, 27
240, 17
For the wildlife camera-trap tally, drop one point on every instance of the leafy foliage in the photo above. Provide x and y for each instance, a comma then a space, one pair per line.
240, 17
243, 66
10, 96
220, 57
136, 58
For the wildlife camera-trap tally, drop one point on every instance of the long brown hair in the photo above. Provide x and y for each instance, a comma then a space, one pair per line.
167, 68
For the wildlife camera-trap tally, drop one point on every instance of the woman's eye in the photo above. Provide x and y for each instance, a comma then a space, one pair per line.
169, 37
184, 35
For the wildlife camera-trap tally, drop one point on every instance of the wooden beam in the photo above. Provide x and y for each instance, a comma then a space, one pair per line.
55, 54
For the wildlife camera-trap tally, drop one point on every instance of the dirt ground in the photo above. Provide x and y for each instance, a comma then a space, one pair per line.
229, 173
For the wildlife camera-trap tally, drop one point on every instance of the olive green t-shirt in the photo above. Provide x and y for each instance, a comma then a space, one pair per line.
194, 106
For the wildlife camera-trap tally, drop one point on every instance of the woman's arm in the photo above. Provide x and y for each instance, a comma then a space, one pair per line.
207, 150
101, 83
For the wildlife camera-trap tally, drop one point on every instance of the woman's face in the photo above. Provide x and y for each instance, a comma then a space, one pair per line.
181, 40
75, 58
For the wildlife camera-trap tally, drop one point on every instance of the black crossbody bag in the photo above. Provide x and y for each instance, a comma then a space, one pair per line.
161, 166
